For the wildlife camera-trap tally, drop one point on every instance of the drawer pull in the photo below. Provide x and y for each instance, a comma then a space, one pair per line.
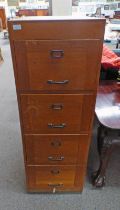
56, 143
56, 158
57, 53
55, 185
50, 125
52, 82
57, 106
55, 171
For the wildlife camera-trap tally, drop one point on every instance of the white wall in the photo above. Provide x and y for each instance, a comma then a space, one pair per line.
61, 7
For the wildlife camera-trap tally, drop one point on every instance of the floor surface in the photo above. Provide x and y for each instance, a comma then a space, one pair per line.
13, 195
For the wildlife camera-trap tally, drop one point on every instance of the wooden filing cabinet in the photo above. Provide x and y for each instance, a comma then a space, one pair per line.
3, 17
32, 12
56, 66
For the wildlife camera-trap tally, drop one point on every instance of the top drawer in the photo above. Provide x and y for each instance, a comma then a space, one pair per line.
57, 65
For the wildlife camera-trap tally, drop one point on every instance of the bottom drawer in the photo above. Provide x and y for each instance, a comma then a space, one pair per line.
55, 178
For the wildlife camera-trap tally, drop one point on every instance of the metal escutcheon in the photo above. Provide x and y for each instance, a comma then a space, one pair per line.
57, 54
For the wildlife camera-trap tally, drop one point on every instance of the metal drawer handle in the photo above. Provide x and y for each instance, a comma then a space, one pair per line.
56, 143
50, 125
56, 158
57, 106
55, 185
57, 53
55, 171
52, 82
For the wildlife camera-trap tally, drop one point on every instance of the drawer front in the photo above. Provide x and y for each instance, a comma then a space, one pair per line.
56, 113
56, 149
55, 178
57, 65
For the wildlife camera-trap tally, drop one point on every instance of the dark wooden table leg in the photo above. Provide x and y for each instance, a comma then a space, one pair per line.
100, 138
105, 148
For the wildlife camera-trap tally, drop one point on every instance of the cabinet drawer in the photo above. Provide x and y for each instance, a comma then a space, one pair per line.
59, 178
56, 149
57, 65
56, 113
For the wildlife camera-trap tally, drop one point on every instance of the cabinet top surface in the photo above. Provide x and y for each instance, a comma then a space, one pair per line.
55, 28
54, 18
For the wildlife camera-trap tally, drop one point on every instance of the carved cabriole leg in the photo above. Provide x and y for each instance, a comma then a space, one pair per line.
105, 148
100, 138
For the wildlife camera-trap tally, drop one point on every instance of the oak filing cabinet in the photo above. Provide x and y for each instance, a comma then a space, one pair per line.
3, 17
56, 66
